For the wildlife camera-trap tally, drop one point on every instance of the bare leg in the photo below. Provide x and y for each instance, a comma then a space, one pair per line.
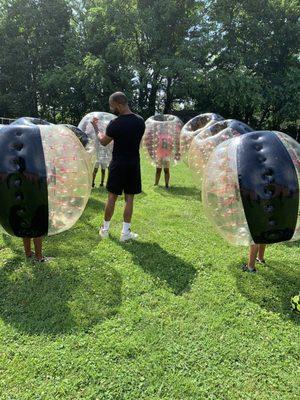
261, 251
110, 206
102, 177
27, 246
252, 255
157, 176
128, 209
38, 248
167, 176
94, 176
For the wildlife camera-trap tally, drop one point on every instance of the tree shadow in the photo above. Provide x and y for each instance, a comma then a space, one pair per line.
154, 260
93, 205
74, 291
182, 191
50, 299
271, 288
12, 243
64, 244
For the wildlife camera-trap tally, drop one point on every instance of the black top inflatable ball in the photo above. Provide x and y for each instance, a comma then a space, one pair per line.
82, 136
30, 121
44, 179
251, 188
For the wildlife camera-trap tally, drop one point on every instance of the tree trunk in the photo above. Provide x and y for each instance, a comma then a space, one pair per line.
153, 94
169, 96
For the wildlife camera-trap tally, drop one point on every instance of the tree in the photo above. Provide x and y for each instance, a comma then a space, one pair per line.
32, 37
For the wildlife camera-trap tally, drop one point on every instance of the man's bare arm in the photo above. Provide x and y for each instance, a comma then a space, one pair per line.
104, 139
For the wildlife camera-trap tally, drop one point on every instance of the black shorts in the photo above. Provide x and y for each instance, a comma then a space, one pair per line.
124, 177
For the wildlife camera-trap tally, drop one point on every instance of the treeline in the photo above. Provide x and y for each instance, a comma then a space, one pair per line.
60, 59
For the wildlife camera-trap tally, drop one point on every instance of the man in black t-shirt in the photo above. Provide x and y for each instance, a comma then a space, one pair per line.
124, 171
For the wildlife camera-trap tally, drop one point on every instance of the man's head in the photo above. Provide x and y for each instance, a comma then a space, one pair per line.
118, 103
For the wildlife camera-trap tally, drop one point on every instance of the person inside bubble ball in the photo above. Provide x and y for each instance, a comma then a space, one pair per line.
124, 175
256, 254
163, 155
37, 256
102, 166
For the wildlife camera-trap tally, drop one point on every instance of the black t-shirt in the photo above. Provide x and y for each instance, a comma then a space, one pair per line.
127, 132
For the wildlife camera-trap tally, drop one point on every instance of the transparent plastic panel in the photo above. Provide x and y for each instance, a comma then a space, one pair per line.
67, 166
201, 149
192, 128
221, 195
103, 154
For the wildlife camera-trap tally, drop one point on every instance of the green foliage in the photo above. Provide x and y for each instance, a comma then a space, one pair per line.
171, 317
239, 58
33, 35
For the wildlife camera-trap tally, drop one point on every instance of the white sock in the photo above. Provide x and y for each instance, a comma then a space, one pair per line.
126, 227
106, 225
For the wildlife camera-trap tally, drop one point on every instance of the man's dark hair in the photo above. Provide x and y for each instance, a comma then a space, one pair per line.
120, 98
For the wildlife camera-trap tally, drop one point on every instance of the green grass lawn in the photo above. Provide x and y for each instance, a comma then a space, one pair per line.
169, 317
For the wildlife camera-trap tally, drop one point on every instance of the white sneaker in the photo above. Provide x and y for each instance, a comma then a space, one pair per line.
128, 236
103, 233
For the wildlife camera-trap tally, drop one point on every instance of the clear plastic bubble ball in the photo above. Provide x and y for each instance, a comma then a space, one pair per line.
30, 121
251, 188
193, 127
103, 154
162, 139
82, 136
44, 179
201, 148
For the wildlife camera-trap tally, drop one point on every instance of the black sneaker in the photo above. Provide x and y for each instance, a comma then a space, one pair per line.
260, 261
245, 268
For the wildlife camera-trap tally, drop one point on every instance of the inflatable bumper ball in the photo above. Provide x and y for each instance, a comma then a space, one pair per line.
30, 121
44, 179
201, 149
82, 136
103, 154
251, 188
193, 128
162, 139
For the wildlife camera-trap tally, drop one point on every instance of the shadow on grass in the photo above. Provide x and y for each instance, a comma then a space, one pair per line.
162, 265
78, 242
15, 244
93, 206
182, 191
271, 288
72, 292
292, 244
52, 299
